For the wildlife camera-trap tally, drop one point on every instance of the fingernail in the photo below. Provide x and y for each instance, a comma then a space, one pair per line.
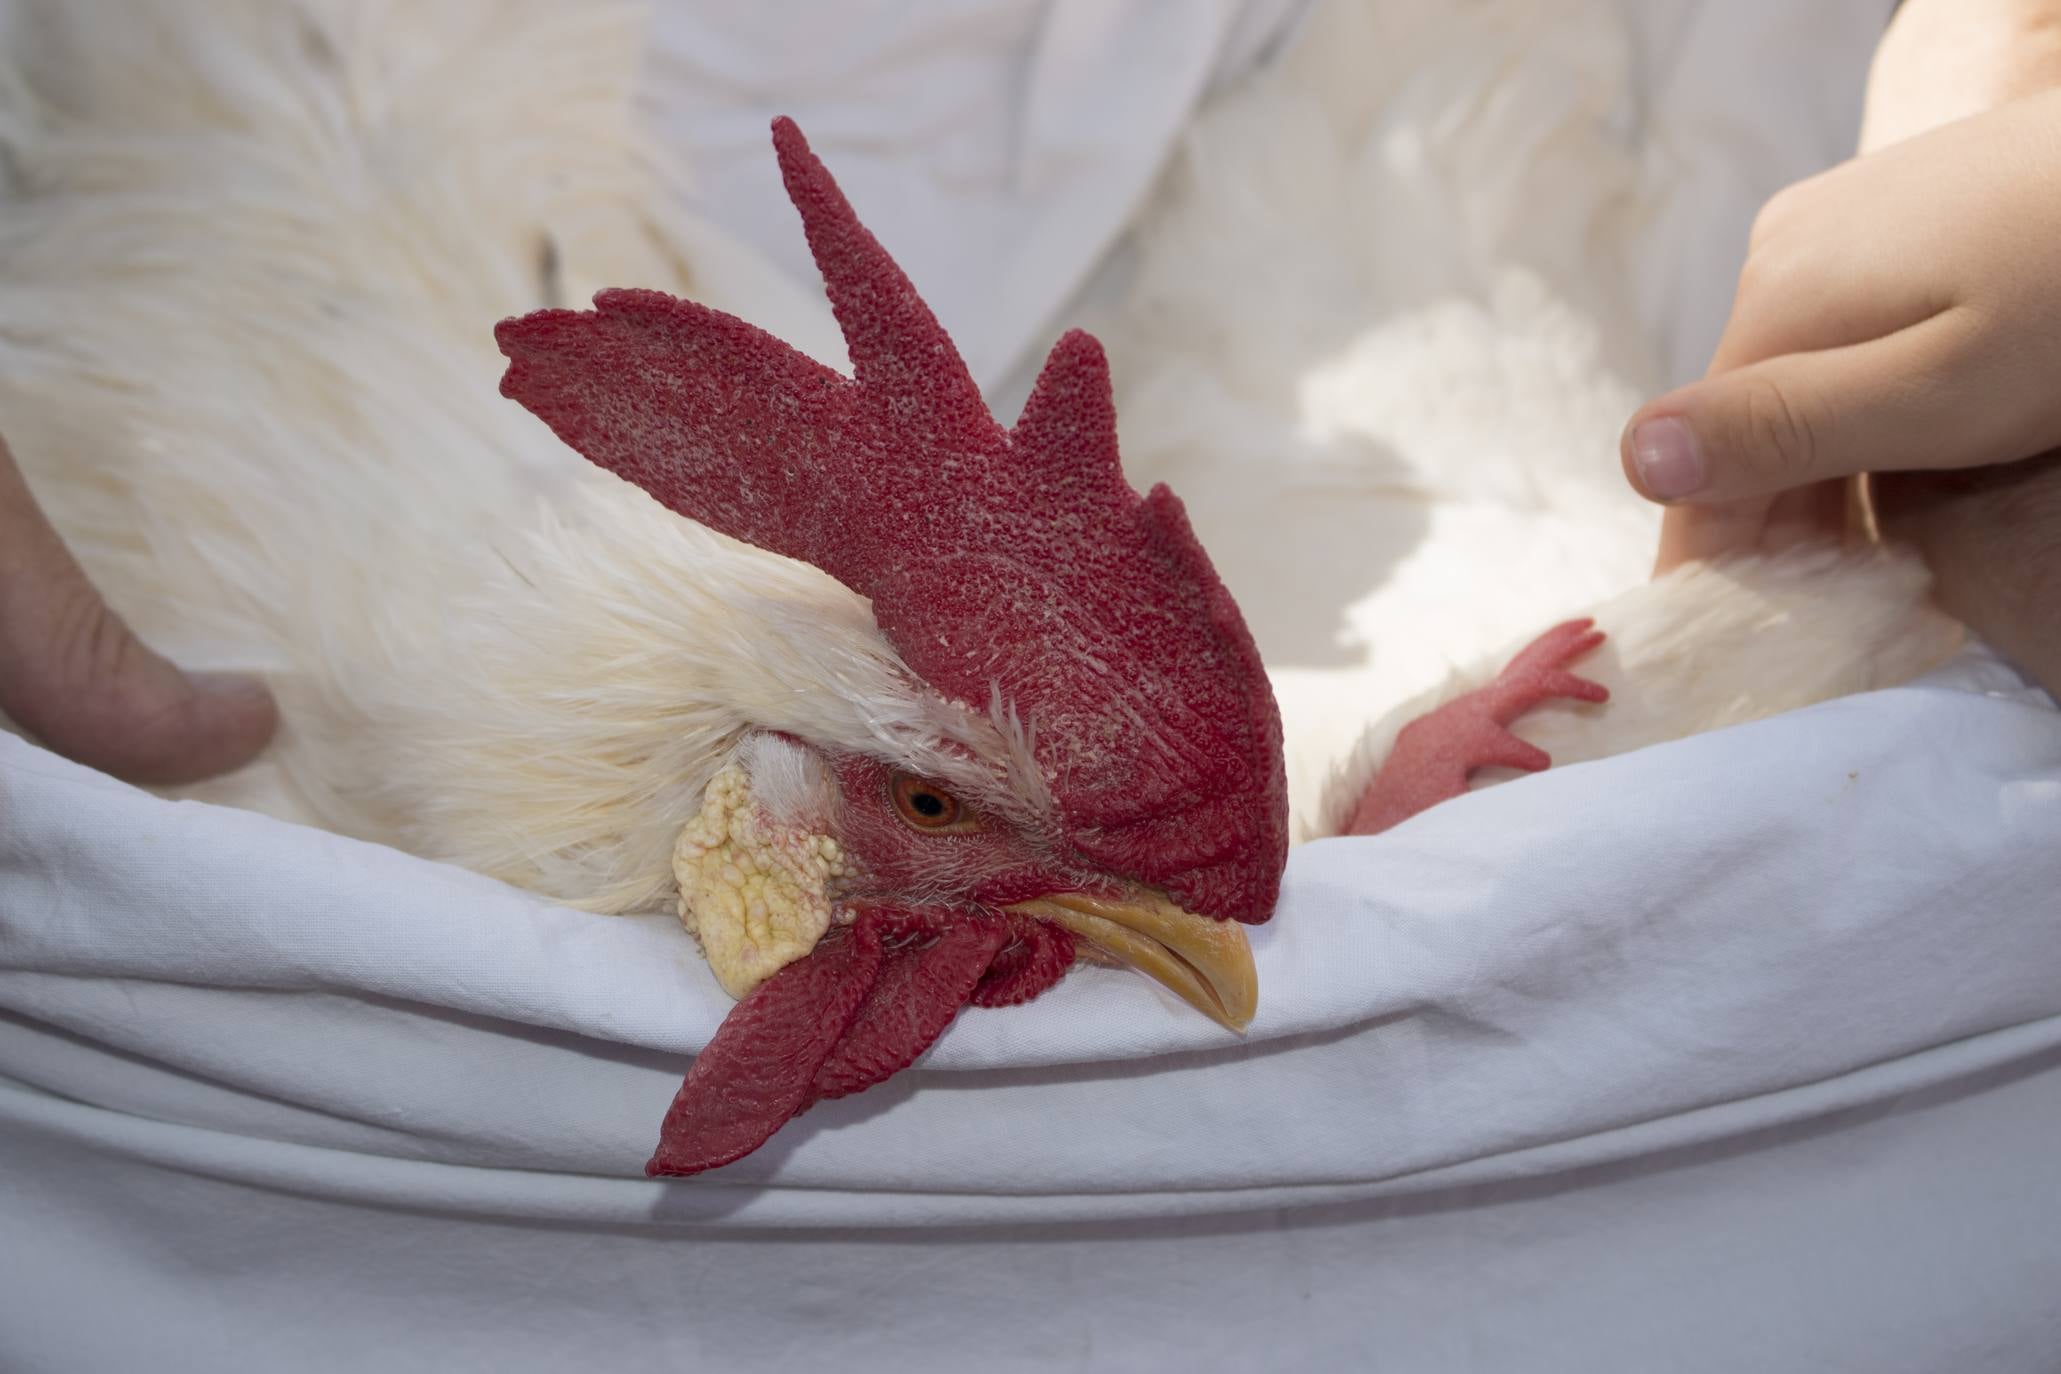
1670, 464
231, 689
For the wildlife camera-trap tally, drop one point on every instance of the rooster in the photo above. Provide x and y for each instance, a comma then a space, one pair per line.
902, 711
1080, 753
1072, 745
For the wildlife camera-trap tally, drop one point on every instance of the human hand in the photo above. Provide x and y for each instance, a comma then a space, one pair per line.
73, 676
1899, 312
1943, 60
1992, 536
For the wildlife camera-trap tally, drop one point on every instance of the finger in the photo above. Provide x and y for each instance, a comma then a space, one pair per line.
1806, 515
1764, 524
73, 676
1925, 397
1693, 534
1808, 286
1787, 311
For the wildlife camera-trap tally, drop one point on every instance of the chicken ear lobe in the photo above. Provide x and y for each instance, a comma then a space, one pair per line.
759, 1069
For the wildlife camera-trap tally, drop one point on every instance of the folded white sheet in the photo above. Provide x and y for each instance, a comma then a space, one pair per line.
1600, 962
1000, 145
1601, 1033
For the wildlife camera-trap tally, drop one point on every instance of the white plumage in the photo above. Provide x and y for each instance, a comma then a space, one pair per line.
252, 270
1384, 332
249, 271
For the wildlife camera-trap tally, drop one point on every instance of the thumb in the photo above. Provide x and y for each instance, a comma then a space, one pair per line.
73, 676
1918, 398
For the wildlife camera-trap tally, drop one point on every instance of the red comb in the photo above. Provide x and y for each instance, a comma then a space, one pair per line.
1010, 563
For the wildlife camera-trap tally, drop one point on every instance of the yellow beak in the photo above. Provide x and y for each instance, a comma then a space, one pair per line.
1203, 961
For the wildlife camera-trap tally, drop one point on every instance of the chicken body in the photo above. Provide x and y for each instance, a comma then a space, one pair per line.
272, 434
1387, 312
278, 491
247, 280
928, 771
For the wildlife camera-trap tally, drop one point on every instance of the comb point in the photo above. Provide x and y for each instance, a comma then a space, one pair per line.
1069, 419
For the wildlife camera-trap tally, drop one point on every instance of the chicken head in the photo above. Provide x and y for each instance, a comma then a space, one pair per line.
1079, 755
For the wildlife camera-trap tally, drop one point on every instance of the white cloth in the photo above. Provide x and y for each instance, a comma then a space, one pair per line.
1740, 1053
231, 1037
999, 145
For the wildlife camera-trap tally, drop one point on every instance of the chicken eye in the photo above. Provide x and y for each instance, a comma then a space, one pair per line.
927, 806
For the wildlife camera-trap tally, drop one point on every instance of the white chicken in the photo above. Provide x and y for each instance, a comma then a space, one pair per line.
1008, 716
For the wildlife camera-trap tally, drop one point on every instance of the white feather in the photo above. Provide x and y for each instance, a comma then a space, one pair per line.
249, 265
1709, 645
1381, 334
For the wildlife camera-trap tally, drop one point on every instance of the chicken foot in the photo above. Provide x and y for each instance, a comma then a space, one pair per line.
1436, 753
